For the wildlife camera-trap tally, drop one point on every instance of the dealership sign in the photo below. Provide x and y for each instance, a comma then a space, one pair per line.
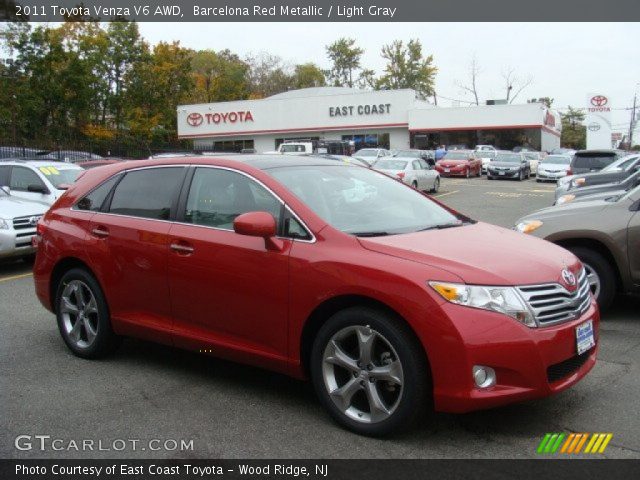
598, 120
195, 119
350, 110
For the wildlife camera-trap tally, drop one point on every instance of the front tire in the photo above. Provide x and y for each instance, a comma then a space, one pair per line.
83, 315
370, 372
600, 273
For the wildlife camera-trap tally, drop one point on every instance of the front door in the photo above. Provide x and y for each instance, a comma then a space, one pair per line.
229, 293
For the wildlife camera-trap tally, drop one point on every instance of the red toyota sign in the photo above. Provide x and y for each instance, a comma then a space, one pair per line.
599, 103
196, 119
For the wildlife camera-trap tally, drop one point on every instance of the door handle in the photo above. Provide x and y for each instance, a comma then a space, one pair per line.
100, 232
180, 248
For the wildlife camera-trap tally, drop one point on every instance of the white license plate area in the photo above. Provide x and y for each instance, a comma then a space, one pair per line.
585, 339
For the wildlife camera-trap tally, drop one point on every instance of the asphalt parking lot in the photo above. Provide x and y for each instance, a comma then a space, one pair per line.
147, 391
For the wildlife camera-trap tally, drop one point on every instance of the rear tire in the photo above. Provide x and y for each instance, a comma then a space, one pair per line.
350, 353
436, 186
83, 315
601, 271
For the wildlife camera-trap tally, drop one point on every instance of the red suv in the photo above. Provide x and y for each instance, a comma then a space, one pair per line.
389, 301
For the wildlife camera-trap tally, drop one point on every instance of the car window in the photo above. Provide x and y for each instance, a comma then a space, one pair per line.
593, 161
424, 165
217, 197
95, 199
294, 229
391, 164
4, 176
148, 193
416, 165
22, 177
60, 176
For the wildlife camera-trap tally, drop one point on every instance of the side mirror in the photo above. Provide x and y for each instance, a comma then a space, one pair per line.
258, 224
64, 186
35, 188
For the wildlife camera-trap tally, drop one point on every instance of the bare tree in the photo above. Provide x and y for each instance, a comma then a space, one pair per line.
474, 73
514, 85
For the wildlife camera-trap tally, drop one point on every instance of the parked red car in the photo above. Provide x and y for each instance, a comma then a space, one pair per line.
389, 301
460, 163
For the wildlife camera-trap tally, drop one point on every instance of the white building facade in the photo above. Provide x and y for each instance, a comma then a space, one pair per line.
393, 119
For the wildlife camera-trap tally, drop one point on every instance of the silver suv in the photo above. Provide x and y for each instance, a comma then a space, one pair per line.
18, 220
38, 180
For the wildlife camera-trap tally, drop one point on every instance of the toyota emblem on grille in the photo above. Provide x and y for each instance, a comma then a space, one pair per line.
33, 221
569, 278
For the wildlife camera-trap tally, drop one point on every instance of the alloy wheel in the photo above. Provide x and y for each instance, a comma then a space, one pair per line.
594, 280
363, 374
79, 311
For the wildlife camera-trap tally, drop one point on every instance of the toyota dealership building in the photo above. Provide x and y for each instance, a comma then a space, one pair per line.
393, 119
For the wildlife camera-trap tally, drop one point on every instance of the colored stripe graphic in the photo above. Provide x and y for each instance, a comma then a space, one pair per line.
574, 442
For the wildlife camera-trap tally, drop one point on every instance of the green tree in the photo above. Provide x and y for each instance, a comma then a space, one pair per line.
407, 68
308, 75
345, 59
219, 76
574, 134
268, 75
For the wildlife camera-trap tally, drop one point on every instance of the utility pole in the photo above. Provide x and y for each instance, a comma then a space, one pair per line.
632, 122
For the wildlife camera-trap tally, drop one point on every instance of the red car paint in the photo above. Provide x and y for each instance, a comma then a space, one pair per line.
163, 279
457, 167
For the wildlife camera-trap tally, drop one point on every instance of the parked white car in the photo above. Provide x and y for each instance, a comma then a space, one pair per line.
534, 160
37, 180
485, 148
371, 155
553, 167
486, 156
415, 172
18, 220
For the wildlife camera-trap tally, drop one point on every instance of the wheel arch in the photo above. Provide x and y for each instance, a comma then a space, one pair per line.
330, 306
597, 246
62, 267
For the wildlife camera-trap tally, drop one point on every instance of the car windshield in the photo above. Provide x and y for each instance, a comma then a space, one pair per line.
408, 154
391, 165
3, 193
593, 160
366, 153
363, 202
510, 158
558, 160
57, 176
531, 156
456, 156
486, 154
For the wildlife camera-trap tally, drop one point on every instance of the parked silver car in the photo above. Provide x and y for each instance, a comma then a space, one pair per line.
38, 180
412, 171
553, 167
18, 220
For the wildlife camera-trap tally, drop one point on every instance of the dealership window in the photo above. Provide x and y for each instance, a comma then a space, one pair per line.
279, 141
368, 140
229, 146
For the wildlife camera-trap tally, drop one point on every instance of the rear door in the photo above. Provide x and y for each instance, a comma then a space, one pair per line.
418, 174
128, 246
430, 175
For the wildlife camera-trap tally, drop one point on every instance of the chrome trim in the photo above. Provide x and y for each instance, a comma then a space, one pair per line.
282, 202
551, 303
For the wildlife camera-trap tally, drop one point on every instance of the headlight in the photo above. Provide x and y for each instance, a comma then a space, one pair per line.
503, 300
578, 182
528, 226
4, 224
565, 199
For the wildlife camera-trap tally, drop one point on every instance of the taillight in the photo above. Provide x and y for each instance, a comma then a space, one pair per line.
569, 172
400, 175
40, 229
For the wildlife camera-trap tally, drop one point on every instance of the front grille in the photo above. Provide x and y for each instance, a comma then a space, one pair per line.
552, 303
561, 370
23, 223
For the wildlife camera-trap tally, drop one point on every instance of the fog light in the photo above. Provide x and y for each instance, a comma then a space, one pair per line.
484, 377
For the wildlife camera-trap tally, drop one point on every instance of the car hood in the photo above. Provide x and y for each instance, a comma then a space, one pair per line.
568, 210
12, 207
480, 254
603, 195
495, 163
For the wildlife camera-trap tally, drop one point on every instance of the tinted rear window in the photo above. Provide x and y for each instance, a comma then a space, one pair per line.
593, 161
147, 193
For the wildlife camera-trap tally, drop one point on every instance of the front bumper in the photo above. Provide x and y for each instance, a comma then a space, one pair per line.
543, 175
503, 173
452, 171
14, 243
529, 362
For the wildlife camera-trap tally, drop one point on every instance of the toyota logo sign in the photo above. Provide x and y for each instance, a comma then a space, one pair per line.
599, 101
569, 278
195, 119
594, 127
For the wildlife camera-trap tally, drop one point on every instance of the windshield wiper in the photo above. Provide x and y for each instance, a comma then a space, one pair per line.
443, 226
370, 234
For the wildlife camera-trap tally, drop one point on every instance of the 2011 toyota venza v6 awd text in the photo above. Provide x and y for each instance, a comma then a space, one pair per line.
392, 303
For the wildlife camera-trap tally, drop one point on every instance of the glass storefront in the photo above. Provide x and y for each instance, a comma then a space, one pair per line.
505, 139
368, 140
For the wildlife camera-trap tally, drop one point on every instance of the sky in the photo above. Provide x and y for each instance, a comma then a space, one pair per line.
565, 60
